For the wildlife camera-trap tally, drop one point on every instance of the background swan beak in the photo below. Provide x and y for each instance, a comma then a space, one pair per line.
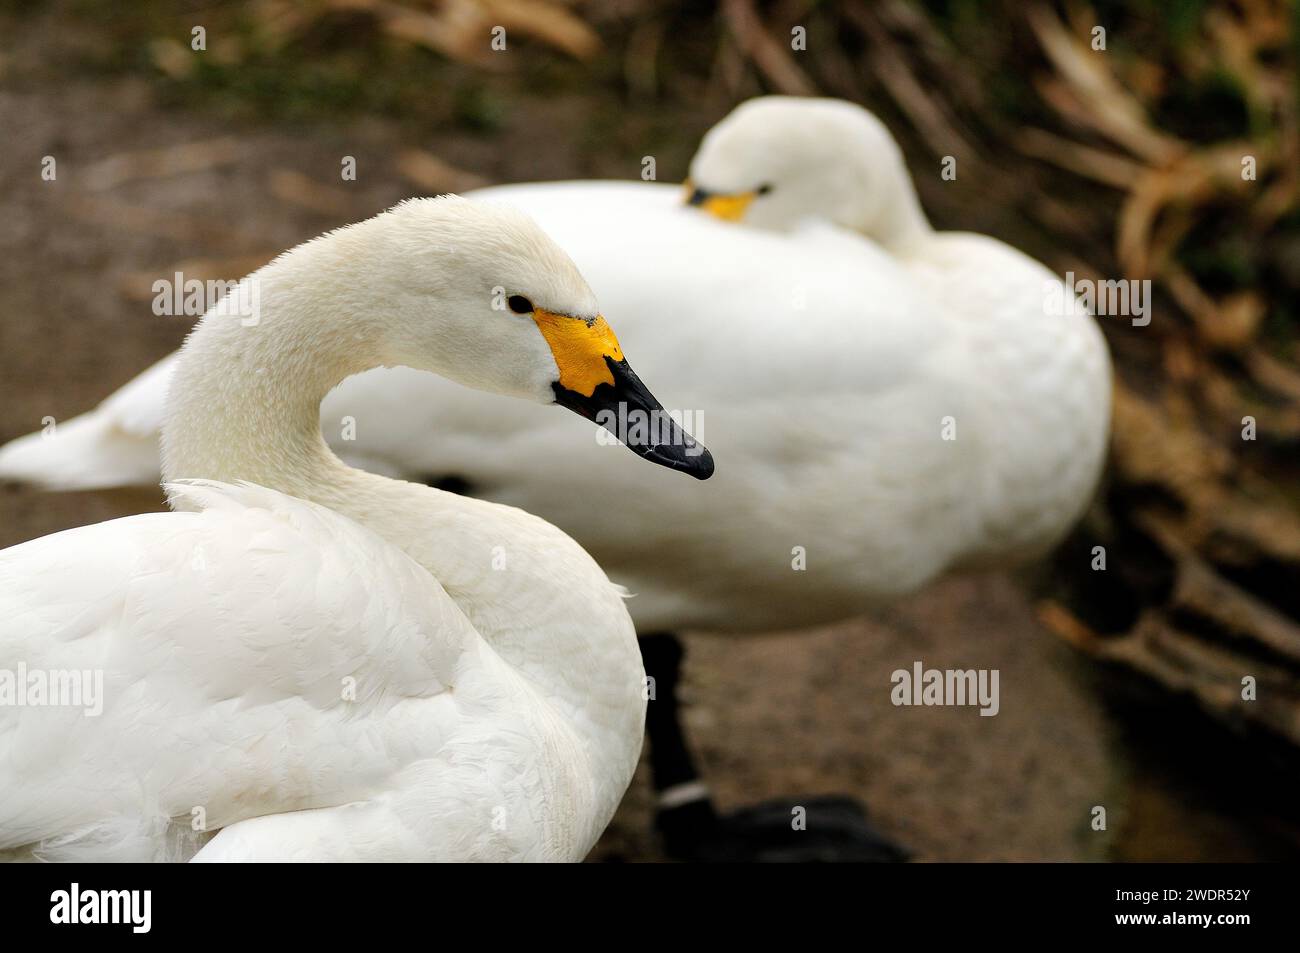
729, 208
628, 410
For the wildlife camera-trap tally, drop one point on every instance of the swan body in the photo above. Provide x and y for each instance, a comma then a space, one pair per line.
229, 638
319, 663
894, 401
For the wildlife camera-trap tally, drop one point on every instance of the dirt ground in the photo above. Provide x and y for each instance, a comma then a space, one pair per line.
771, 715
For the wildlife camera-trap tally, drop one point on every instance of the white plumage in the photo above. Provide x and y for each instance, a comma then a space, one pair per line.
827, 351
362, 670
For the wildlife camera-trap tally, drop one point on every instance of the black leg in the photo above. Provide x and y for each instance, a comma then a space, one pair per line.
788, 830
684, 811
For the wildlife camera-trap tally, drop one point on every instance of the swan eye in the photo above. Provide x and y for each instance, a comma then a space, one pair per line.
519, 304
763, 189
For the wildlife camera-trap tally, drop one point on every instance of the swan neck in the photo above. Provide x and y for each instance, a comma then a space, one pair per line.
898, 223
883, 203
244, 401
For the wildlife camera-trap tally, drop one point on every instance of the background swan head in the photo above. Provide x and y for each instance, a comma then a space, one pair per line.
472, 291
775, 161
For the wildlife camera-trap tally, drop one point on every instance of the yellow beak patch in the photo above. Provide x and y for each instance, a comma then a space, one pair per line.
729, 208
580, 348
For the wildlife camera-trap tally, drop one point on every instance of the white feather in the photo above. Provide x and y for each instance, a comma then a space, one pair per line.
355, 681
824, 360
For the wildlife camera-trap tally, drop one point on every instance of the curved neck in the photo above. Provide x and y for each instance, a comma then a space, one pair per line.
887, 209
244, 401
244, 405
897, 223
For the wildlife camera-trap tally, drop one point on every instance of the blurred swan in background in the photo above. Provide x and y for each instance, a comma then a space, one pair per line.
892, 402
333, 665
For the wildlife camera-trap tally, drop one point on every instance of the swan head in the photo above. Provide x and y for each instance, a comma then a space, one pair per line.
479, 294
776, 161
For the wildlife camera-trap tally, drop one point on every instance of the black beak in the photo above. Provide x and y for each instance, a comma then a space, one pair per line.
697, 197
630, 412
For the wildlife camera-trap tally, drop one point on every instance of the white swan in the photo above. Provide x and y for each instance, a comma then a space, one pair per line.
333, 665
832, 351
824, 364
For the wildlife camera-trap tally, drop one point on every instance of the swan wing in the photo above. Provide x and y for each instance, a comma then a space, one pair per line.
260, 658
